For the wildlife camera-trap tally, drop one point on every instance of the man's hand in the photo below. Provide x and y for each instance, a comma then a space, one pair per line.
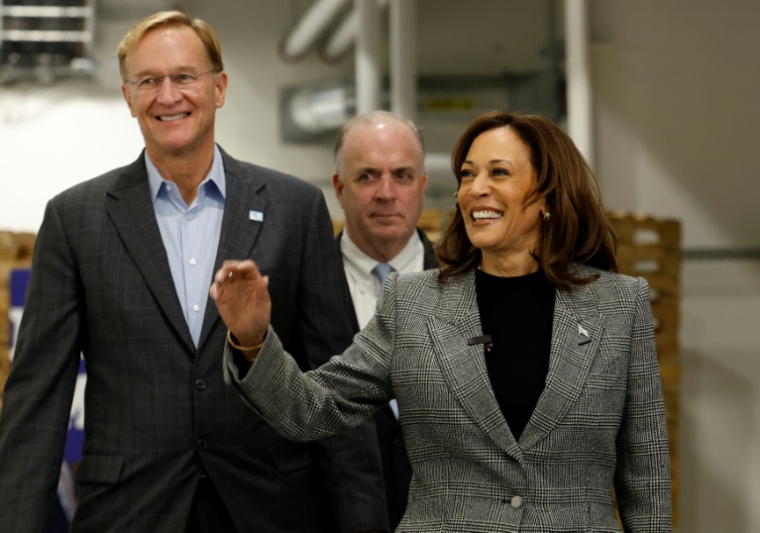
241, 295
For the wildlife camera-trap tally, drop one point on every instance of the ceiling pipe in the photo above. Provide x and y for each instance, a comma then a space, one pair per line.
340, 42
367, 52
580, 112
403, 57
303, 36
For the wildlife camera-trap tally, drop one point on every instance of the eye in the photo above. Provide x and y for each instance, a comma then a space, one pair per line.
364, 177
498, 171
184, 78
466, 173
147, 83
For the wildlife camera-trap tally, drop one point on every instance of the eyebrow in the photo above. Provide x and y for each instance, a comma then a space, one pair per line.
180, 68
494, 162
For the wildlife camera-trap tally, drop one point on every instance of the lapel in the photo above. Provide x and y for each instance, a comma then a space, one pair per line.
352, 311
576, 332
464, 366
130, 208
239, 230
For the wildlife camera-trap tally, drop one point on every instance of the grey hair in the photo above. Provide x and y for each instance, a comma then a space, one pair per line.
376, 117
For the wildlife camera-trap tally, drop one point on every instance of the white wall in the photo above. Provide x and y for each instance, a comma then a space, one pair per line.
676, 87
676, 116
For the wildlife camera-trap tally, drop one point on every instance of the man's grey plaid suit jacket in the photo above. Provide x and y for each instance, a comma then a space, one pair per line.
157, 410
600, 420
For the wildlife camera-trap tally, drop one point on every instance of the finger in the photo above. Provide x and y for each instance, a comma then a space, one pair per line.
232, 270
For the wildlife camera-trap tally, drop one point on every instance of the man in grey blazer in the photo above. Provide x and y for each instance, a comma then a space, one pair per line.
121, 273
380, 182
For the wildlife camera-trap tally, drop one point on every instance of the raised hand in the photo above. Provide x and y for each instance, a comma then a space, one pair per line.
241, 295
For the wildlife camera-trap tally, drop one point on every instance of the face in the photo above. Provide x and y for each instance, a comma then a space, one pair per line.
381, 186
173, 119
497, 176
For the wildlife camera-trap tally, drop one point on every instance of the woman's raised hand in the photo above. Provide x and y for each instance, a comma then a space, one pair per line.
241, 295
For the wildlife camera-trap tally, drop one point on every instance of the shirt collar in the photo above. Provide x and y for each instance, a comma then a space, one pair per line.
362, 264
214, 178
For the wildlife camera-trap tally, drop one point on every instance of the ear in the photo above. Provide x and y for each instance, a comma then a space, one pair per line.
220, 88
338, 186
128, 98
424, 183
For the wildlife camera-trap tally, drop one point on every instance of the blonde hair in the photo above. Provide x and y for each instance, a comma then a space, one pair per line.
168, 19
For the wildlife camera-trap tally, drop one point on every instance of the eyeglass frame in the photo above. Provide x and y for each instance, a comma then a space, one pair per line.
160, 80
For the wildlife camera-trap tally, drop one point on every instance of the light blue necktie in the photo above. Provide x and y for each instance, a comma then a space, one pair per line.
381, 272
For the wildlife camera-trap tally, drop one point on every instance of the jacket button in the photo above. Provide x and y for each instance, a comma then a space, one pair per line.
200, 384
516, 502
202, 444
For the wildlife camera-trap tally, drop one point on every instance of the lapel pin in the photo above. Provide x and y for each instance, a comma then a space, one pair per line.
582, 331
256, 216
585, 337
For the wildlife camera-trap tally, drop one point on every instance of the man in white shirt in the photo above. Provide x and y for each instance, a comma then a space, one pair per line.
380, 182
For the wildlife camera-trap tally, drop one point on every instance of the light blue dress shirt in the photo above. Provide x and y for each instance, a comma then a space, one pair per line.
191, 236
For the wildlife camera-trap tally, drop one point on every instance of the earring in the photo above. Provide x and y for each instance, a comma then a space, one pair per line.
545, 216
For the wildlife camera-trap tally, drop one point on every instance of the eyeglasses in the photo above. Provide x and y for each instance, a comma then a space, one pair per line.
181, 80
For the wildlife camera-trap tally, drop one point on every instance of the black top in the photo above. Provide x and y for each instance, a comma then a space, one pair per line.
517, 313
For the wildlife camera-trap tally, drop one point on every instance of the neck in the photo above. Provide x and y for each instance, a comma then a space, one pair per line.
382, 252
186, 170
508, 266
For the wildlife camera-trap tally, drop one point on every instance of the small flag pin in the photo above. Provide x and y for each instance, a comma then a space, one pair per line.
256, 216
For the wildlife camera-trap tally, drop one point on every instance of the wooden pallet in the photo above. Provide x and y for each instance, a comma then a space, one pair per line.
651, 248
15, 252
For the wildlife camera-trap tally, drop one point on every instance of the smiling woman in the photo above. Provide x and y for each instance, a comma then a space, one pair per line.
541, 198
525, 371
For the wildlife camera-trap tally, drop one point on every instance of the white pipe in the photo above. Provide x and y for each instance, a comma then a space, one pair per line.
403, 57
309, 28
368, 88
342, 38
580, 115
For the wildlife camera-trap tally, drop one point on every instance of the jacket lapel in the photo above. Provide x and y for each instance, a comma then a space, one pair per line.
131, 209
576, 332
464, 366
244, 214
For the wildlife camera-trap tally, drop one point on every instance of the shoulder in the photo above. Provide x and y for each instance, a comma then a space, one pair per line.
611, 289
94, 190
276, 182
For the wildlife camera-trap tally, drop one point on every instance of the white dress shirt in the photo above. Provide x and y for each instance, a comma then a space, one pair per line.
364, 286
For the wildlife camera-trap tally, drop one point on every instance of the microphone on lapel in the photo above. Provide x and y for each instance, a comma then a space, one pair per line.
485, 340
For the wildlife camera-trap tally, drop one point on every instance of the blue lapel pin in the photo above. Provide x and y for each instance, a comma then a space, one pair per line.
256, 216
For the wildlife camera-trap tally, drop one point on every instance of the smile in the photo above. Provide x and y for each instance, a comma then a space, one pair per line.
478, 215
169, 118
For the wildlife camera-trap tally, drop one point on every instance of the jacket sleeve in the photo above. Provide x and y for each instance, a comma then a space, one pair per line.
39, 391
642, 477
350, 463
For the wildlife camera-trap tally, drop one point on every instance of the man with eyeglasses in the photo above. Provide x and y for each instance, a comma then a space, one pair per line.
121, 274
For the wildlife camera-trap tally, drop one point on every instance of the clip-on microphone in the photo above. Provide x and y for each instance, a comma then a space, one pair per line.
485, 340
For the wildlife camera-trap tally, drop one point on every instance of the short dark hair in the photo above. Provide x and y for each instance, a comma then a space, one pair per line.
578, 231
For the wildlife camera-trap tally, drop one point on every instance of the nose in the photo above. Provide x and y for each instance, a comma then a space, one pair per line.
479, 186
386, 189
168, 92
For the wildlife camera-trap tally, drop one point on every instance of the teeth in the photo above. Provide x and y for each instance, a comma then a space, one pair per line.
169, 118
485, 214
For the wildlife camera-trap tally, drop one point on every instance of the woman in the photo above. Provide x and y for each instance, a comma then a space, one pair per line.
525, 369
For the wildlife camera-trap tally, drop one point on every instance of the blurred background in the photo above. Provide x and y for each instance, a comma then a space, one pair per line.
663, 103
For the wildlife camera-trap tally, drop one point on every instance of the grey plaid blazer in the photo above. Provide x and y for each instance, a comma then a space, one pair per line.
599, 422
